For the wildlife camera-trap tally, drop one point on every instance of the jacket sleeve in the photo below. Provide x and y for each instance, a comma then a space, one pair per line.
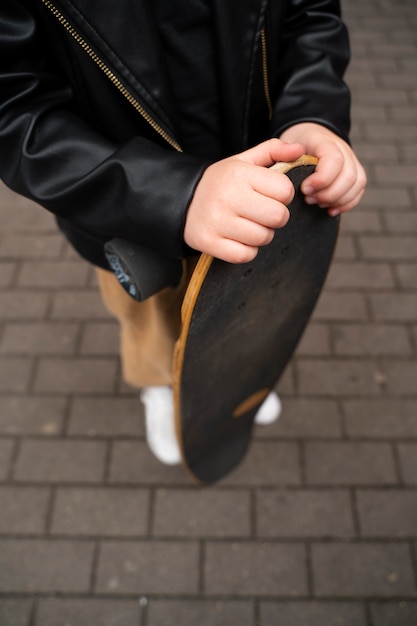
307, 73
137, 189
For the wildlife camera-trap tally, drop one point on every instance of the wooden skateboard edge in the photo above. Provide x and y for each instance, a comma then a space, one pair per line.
190, 298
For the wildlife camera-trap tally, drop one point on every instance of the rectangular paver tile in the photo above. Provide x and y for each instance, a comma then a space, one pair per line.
392, 613
15, 374
337, 377
25, 415
6, 453
133, 463
260, 569
208, 513
391, 513
371, 339
381, 419
312, 614
53, 274
200, 612
267, 463
87, 612
100, 512
39, 338
340, 306
408, 459
57, 461
148, 567
304, 418
15, 612
23, 510
75, 375
78, 305
106, 417
361, 570
28, 566
346, 463
23, 305
304, 513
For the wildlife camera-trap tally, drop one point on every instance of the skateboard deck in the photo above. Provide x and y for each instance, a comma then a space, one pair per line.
240, 327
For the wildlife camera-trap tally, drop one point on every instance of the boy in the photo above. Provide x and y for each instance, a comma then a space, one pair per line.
156, 122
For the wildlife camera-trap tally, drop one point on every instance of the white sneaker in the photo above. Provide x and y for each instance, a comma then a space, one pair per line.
269, 411
160, 426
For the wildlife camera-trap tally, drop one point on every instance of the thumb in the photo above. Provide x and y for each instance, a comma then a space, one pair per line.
269, 152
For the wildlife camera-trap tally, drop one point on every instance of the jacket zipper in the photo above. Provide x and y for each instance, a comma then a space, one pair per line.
110, 75
265, 73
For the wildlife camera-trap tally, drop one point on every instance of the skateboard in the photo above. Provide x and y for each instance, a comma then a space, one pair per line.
240, 327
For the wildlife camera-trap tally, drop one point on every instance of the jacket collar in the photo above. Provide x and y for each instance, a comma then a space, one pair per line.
134, 54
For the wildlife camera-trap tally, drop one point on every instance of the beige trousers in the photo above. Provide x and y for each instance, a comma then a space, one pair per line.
148, 330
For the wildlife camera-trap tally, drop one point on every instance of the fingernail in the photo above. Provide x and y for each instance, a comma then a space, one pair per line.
334, 212
308, 190
310, 200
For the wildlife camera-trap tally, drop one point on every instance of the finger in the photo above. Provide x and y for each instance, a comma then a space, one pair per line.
327, 171
233, 251
248, 233
266, 212
270, 151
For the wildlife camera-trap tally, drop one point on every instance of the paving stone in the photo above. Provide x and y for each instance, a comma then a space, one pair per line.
106, 417
30, 415
148, 567
105, 512
201, 612
396, 307
31, 246
363, 570
389, 248
397, 173
23, 510
381, 419
60, 461
22, 214
312, 614
267, 463
346, 249
346, 463
400, 376
39, 338
359, 275
305, 418
376, 197
15, 612
315, 341
15, 374
390, 514
23, 305
260, 569
393, 613
100, 338
133, 463
408, 459
7, 273
56, 274
87, 612
30, 566
407, 275
207, 513
6, 452
371, 339
359, 221
304, 513
78, 305
334, 378
340, 306
75, 375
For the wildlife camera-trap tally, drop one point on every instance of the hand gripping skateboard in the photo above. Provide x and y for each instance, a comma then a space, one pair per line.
240, 326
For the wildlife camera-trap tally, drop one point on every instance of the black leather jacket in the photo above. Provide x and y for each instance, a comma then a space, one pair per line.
88, 126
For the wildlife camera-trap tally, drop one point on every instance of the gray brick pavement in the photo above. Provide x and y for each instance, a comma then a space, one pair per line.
318, 526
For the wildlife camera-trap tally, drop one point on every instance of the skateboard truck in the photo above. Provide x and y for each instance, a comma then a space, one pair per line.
142, 272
